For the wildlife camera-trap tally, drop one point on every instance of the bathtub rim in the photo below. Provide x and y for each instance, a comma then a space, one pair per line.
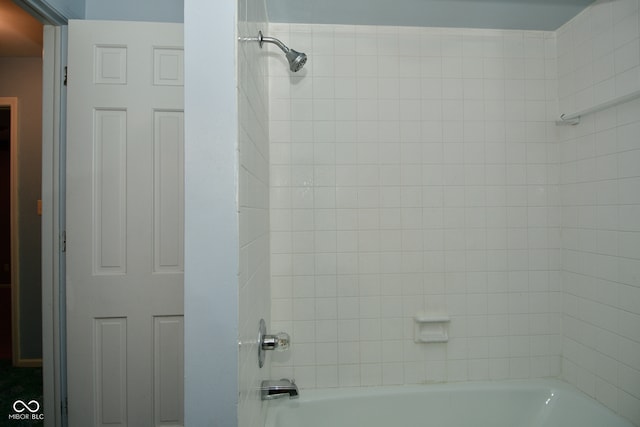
330, 393
550, 387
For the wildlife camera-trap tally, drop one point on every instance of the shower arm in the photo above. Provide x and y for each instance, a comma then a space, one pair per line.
262, 39
296, 59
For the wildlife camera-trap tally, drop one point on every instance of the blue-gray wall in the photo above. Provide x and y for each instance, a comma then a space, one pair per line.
135, 10
57, 10
69, 8
513, 14
116, 10
211, 215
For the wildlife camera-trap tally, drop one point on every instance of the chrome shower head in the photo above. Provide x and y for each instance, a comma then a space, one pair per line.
296, 59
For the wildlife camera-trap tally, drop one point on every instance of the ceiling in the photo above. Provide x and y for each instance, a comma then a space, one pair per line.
545, 15
20, 33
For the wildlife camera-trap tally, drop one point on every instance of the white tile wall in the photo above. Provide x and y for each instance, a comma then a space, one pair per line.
253, 199
420, 169
598, 55
601, 259
415, 169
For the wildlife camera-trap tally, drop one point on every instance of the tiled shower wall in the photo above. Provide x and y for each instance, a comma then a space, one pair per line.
253, 200
601, 257
415, 170
599, 59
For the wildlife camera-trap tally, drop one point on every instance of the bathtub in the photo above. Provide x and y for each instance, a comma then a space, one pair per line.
491, 404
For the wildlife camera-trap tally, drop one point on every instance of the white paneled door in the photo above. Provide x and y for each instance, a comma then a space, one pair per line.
125, 209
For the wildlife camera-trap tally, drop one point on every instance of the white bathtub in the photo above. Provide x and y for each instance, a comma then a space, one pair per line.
492, 404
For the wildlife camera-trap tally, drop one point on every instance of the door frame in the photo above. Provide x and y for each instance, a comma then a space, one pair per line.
53, 195
53, 225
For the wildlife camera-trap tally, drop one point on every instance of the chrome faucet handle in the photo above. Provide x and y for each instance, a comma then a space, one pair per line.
278, 342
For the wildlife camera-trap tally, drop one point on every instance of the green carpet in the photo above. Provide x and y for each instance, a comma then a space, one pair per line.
23, 384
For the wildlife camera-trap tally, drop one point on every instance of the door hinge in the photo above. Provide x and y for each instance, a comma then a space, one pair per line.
65, 76
63, 241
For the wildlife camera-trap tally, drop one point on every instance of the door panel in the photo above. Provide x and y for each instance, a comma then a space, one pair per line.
125, 214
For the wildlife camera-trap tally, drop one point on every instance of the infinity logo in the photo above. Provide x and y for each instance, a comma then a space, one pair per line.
20, 404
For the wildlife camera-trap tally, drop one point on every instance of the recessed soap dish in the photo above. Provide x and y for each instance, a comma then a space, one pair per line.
431, 328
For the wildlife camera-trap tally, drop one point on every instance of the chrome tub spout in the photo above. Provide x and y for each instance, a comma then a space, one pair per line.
274, 389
